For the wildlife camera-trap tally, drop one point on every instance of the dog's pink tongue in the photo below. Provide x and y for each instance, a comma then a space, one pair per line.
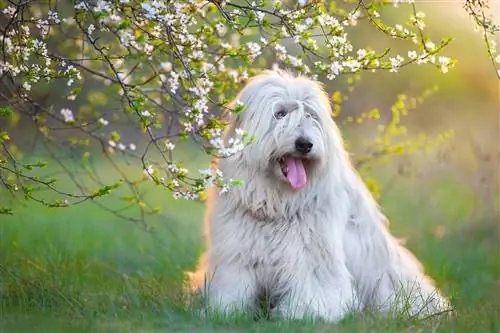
296, 173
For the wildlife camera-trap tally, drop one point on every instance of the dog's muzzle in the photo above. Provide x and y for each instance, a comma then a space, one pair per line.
303, 145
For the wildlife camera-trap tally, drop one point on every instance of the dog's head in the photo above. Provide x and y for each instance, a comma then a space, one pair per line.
290, 118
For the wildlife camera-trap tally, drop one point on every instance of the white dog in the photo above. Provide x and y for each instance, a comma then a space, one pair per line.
303, 232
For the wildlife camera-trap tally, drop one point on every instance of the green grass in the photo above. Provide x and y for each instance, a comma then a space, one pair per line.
82, 269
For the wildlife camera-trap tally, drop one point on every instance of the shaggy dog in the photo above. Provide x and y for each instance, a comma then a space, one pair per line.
303, 233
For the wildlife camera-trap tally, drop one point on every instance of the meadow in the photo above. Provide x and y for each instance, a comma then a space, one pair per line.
83, 269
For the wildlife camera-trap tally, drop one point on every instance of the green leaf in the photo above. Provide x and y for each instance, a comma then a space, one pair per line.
5, 112
104, 190
239, 108
6, 211
4, 136
124, 24
115, 136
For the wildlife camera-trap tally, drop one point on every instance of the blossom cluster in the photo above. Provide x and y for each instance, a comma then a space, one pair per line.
234, 145
177, 180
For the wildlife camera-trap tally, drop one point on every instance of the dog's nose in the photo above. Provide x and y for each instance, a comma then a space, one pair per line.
303, 145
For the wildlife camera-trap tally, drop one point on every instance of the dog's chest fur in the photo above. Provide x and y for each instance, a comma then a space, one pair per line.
274, 249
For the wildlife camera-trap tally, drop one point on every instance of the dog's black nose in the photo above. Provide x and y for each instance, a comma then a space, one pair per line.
303, 145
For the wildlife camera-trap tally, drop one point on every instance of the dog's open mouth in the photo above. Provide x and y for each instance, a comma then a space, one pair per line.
294, 171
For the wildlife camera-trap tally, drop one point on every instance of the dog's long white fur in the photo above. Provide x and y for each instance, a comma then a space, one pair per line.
319, 252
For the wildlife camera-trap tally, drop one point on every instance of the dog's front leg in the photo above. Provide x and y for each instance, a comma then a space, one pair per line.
319, 295
230, 290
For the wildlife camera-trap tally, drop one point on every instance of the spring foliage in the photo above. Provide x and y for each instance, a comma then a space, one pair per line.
168, 70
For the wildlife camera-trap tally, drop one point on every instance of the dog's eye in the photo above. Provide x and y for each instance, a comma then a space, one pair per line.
280, 114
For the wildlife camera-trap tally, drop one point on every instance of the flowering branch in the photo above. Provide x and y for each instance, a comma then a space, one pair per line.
165, 73
477, 10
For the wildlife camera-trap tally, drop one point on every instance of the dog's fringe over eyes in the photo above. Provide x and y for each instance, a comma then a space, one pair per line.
305, 216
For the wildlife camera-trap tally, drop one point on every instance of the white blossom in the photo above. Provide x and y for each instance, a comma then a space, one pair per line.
149, 171
335, 69
90, 29
166, 66
444, 63
103, 122
430, 45
102, 6
67, 115
26, 86
254, 49
352, 64
361, 53
9, 10
412, 54
396, 62
169, 146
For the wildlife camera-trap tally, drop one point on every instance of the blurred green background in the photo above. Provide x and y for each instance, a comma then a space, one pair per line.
85, 269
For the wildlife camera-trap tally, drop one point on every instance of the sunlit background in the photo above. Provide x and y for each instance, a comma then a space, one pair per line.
88, 263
